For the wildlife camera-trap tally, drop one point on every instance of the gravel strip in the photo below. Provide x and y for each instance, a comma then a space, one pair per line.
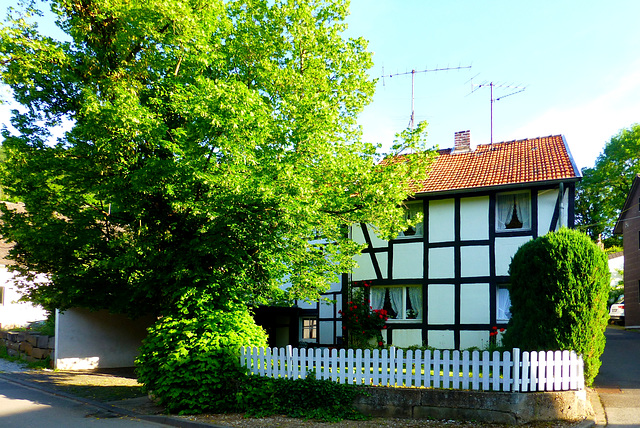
237, 420
11, 366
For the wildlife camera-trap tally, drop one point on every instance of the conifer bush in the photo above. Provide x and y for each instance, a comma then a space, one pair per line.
559, 291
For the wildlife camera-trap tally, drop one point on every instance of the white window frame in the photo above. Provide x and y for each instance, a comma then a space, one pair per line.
310, 328
410, 212
526, 222
402, 316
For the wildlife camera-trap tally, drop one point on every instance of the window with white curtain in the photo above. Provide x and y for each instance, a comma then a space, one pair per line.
400, 302
504, 304
513, 211
413, 211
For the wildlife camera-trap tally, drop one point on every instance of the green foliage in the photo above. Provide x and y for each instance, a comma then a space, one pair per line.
559, 290
604, 188
308, 398
191, 361
213, 150
209, 140
362, 323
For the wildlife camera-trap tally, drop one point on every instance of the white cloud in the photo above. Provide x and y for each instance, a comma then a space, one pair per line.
589, 126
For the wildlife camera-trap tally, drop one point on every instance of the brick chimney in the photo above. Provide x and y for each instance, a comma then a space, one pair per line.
462, 143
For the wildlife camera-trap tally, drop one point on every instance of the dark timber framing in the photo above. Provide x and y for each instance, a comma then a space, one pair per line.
495, 281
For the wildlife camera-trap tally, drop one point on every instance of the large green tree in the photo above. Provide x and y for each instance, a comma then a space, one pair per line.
213, 152
604, 188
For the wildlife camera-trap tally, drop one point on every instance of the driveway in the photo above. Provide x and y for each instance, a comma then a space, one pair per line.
618, 383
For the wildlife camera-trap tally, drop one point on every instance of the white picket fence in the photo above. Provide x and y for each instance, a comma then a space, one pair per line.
508, 371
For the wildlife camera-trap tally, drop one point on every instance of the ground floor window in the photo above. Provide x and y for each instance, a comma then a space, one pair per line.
309, 328
504, 304
400, 302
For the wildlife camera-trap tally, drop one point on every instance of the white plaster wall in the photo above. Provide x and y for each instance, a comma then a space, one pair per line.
302, 304
325, 332
441, 339
441, 303
474, 218
89, 340
546, 206
407, 337
326, 310
364, 270
471, 339
441, 263
474, 304
505, 249
383, 263
474, 261
564, 211
12, 312
358, 236
441, 220
408, 260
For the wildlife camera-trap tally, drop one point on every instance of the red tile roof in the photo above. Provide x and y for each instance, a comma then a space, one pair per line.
511, 162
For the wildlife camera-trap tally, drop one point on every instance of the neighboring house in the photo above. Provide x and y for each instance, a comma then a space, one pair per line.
629, 226
12, 312
446, 281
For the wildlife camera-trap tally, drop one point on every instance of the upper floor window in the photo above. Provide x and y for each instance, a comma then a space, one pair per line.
513, 211
411, 212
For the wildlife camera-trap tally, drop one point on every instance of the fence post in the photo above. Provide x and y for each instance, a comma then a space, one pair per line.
515, 377
289, 361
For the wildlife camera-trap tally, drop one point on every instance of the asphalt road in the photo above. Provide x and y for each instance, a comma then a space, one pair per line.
22, 407
618, 382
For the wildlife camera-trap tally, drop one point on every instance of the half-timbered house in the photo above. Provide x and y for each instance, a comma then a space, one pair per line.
446, 281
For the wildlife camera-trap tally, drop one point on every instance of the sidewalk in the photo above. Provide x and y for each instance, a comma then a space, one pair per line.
116, 392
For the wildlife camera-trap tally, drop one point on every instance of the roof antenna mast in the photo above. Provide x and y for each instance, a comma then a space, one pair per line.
491, 85
413, 74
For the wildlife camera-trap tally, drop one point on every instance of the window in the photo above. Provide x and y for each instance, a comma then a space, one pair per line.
513, 211
411, 212
401, 303
309, 329
504, 305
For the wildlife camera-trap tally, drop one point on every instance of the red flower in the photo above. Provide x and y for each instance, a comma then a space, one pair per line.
501, 330
380, 343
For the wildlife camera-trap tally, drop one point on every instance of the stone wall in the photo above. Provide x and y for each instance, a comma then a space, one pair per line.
493, 407
30, 347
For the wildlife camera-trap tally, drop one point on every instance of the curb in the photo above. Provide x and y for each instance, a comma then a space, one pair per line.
159, 419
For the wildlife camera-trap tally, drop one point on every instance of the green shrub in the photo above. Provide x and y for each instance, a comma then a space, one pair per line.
307, 398
559, 290
191, 362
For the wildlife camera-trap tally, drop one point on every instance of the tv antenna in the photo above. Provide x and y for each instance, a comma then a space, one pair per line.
413, 75
491, 85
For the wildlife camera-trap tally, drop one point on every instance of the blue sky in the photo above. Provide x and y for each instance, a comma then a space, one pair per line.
577, 59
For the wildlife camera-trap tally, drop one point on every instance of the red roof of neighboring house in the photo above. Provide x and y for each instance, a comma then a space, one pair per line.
512, 162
